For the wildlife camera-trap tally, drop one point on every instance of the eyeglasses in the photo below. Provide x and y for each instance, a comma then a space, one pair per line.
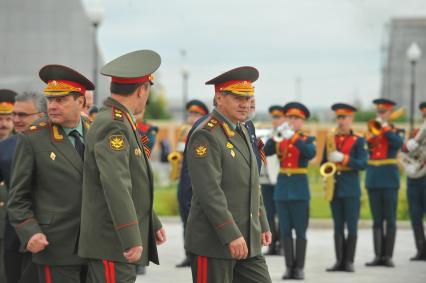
23, 114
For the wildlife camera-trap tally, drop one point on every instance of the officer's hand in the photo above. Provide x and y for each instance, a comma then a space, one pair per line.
266, 238
133, 254
160, 236
37, 243
238, 248
412, 145
336, 156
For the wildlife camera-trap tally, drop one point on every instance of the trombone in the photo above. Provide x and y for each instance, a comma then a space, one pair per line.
375, 127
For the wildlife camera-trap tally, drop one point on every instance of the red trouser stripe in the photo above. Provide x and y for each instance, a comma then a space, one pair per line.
47, 274
112, 271
202, 269
107, 278
199, 269
205, 270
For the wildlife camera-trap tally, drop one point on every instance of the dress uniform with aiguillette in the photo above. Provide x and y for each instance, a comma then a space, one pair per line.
46, 183
7, 148
226, 202
382, 183
416, 191
350, 157
117, 209
292, 190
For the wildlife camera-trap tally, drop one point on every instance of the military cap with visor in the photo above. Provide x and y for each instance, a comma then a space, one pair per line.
62, 81
384, 104
276, 111
343, 109
135, 67
197, 106
237, 81
297, 109
7, 100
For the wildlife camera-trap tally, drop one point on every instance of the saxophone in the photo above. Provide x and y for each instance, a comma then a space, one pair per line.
414, 162
328, 169
175, 159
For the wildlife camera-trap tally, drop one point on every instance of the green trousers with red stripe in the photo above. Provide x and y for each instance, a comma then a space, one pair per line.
104, 271
215, 270
62, 273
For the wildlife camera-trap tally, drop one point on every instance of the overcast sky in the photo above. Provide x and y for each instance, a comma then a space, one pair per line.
333, 46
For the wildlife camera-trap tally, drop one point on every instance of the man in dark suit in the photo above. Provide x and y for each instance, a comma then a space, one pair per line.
28, 107
47, 176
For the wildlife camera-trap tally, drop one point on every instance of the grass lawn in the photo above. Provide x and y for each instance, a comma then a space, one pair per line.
165, 200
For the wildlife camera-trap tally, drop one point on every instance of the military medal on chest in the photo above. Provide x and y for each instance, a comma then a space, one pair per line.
231, 148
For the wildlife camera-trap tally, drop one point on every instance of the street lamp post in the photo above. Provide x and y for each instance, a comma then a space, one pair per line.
96, 16
413, 55
185, 76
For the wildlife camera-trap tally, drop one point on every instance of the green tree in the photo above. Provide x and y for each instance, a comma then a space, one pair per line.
157, 107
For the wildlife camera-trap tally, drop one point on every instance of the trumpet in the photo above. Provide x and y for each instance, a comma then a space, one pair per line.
174, 158
375, 126
278, 132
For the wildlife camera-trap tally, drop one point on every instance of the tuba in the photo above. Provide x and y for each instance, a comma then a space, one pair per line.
375, 127
414, 162
174, 158
328, 169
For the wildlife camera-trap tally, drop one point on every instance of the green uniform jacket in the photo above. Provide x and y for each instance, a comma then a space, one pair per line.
45, 192
227, 202
117, 211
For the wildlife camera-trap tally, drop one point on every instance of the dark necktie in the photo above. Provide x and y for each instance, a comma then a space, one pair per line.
78, 144
240, 131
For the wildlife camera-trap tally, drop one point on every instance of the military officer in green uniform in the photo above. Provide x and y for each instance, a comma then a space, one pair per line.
291, 193
416, 192
119, 228
350, 157
227, 223
7, 99
382, 181
47, 176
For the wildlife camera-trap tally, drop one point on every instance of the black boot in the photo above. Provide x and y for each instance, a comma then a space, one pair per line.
289, 257
350, 253
377, 241
300, 259
389, 245
185, 262
419, 238
339, 242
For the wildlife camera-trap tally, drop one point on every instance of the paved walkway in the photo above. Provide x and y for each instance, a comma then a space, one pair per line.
320, 256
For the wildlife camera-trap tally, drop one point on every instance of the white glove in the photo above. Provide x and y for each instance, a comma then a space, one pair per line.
410, 169
337, 156
287, 134
412, 145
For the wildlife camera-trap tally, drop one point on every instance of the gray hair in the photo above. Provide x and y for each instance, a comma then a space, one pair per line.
38, 99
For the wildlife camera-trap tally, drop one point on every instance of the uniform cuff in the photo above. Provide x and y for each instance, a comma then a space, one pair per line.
26, 230
263, 222
228, 232
129, 235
